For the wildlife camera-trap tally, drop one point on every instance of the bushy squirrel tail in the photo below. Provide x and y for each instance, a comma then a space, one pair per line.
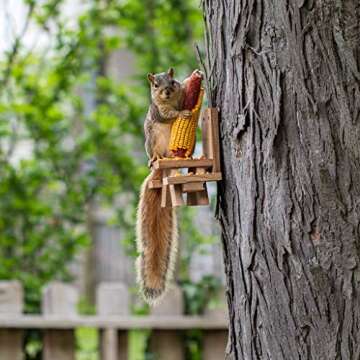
156, 242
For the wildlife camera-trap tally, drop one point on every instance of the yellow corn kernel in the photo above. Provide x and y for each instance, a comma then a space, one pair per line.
183, 131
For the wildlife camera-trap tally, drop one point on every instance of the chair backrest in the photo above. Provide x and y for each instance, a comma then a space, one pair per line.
210, 137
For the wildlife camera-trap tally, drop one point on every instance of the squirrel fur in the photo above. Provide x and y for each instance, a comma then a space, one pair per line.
157, 226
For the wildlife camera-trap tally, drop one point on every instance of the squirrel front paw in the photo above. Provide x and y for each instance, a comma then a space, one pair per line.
152, 160
186, 114
150, 163
199, 73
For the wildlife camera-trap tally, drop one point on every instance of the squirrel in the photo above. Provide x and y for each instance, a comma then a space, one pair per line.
157, 226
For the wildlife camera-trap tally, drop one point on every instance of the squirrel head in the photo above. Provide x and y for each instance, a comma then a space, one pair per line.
164, 88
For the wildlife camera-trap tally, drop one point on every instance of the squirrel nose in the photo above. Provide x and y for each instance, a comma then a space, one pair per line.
167, 92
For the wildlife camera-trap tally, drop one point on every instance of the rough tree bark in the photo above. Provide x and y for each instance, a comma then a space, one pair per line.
285, 76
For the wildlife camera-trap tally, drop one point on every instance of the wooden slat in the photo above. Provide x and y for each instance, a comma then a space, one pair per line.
113, 298
165, 190
155, 184
184, 179
11, 344
165, 196
199, 198
59, 344
168, 344
11, 305
118, 322
210, 137
192, 187
206, 135
175, 190
109, 347
214, 344
215, 138
179, 163
59, 299
176, 195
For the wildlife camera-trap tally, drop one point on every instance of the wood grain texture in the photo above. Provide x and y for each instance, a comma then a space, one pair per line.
175, 190
199, 198
165, 190
59, 299
285, 77
155, 184
192, 187
179, 163
214, 343
210, 137
176, 195
11, 344
165, 196
59, 345
168, 344
184, 179
109, 348
11, 305
113, 299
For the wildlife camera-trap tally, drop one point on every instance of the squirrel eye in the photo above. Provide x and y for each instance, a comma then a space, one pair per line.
173, 83
156, 86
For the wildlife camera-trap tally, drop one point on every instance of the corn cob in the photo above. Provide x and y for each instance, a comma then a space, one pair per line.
183, 131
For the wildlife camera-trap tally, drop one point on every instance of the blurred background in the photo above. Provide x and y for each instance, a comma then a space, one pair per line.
73, 97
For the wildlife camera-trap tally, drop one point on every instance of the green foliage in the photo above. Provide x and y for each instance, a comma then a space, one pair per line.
81, 129
199, 294
84, 307
137, 344
33, 344
193, 345
82, 134
162, 32
87, 343
74, 157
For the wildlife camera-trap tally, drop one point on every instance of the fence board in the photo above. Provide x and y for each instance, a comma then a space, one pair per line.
59, 345
60, 300
59, 320
214, 344
167, 344
112, 299
11, 344
169, 322
11, 306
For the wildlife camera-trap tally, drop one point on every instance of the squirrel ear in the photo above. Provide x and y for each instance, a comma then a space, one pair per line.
170, 72
151, 77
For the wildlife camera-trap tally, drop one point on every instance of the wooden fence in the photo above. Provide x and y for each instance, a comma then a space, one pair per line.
59, 319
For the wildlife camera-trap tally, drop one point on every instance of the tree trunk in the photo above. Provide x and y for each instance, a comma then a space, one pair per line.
285, 76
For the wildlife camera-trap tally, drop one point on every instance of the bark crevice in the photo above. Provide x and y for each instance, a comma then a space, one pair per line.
285, 78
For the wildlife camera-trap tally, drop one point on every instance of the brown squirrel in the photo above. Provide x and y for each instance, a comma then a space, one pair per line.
156, 226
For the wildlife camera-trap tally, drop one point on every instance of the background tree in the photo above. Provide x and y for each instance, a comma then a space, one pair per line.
285, 76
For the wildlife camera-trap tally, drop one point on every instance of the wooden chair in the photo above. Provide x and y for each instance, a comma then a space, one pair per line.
199, 171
